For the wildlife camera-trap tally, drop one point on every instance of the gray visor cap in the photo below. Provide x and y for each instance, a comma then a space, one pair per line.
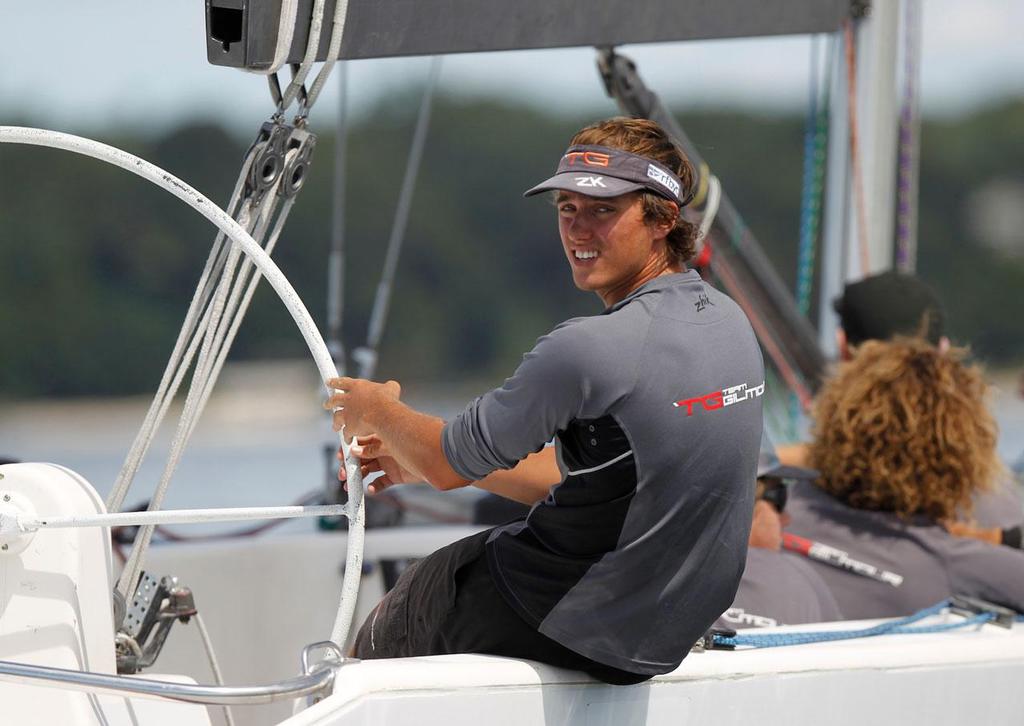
601, 171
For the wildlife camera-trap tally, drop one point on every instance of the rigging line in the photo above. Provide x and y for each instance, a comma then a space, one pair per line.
336, 259
179, 375
337, 34
215, 311
713, 189
226, 324
203, 378
764, 334
156, 410
214, 665
243, 306
285, 34
858, 179
805, 257
312, 45
366, 356
166, 392
906, 226
129, 578
815, 140
233, 313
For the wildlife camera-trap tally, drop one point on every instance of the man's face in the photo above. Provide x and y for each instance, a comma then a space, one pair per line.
610, 248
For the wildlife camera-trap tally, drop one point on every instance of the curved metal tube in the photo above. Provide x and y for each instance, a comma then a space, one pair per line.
319, 681
284, 290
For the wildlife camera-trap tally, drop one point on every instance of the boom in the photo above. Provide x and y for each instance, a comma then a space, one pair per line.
244, 33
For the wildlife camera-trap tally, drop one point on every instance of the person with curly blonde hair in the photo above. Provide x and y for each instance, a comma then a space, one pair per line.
891, 304
904, 441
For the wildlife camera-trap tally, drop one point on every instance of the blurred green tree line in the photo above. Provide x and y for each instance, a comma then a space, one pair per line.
97, 267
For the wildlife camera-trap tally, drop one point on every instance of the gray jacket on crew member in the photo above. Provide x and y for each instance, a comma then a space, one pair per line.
779, 588
934, 564
655, 406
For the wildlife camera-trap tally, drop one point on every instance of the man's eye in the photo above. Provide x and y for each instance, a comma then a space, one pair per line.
566, 209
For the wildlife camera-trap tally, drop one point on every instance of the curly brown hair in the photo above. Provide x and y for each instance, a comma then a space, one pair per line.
905, 428
646, 138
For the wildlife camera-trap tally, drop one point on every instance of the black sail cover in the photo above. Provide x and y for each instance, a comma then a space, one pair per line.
243, 33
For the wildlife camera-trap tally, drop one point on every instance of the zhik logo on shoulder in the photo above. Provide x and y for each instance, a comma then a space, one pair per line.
661, 176
720, 399
590, 181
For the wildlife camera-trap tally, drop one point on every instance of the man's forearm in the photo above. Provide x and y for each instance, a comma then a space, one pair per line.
527, 482
414, 440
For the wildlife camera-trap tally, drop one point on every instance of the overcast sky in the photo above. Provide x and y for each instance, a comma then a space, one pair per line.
79, 66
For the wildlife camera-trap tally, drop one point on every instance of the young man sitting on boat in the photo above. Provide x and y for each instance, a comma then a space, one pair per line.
637, 534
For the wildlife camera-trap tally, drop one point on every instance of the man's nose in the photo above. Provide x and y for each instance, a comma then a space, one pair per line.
579, 227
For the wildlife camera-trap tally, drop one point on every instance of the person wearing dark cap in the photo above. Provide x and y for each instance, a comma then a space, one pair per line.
639, 515
885, 305
778, 587
892, 472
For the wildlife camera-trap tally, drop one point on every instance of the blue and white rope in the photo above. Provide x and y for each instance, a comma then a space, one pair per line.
904, 626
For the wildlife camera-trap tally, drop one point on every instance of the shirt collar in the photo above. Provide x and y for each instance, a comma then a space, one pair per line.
658, 283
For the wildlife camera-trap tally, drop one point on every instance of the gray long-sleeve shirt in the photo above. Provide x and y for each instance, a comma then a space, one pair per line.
779, 588
655, 406
933, 564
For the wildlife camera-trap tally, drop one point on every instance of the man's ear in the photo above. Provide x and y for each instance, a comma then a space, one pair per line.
667, 224
842, 345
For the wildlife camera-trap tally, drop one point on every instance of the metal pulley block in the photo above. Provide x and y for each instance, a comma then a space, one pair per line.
297, 168
270, 148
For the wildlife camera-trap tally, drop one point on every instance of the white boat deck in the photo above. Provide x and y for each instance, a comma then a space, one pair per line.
963, 677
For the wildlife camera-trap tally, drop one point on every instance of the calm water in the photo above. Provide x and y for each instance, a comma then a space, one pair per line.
260, 442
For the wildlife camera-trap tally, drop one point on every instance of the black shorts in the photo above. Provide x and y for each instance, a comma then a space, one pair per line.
448, 603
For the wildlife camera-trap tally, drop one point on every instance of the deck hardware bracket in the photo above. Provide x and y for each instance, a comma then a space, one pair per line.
332, 659
15, 510
153, 610
971, 606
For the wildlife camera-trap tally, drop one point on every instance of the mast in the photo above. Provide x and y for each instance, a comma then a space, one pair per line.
861, 189
878, 115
